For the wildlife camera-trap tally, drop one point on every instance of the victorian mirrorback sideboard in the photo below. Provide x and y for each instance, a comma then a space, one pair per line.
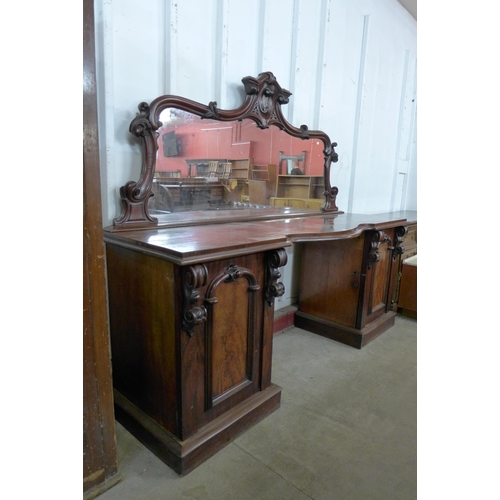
192, 279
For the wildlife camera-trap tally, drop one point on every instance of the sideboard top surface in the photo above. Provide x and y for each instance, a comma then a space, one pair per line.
186, 245
341, 226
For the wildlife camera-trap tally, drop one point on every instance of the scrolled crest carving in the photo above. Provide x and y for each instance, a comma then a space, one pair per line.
275, 259
195, 277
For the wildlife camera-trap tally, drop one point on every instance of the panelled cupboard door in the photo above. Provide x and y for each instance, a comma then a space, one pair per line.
348, 282
379, 266
331, 280
409, 244
220, 355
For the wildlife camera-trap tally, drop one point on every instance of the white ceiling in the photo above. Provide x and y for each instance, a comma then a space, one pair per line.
410, 6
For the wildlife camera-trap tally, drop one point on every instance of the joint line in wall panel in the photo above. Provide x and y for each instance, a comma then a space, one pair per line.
277, 44
293, 58
105, 115
173, 47
359, 102
320, 78
399, 132
413, 109
260, 37
218, 50
412, 140
220, 55
166, 51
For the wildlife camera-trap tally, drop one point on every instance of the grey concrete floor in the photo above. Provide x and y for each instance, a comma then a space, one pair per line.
346, 430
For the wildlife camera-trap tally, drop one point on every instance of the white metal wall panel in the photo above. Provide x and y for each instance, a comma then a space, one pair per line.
193, 53
362, 94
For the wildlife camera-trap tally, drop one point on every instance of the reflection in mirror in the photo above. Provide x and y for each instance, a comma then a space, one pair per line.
205, 164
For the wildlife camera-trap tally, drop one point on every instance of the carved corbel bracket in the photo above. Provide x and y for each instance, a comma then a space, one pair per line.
193, 314
275, 259
376, 237
399, 249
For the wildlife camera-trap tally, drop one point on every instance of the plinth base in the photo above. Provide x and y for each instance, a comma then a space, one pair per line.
184, 456
345, 334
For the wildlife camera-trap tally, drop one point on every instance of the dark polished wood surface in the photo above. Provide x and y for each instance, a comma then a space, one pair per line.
191, 316
183, 245
192, 348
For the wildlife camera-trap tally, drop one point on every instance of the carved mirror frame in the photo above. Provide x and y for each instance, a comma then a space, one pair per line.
264, 98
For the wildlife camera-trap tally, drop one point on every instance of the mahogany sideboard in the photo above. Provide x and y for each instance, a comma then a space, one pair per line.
191, 317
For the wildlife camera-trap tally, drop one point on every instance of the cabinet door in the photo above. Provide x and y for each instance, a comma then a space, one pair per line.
331, 280
378, 269
220, 364
409, 243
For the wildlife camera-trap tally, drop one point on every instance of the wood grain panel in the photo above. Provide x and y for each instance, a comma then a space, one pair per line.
232, 309
378, 295
230, 337
141, 305
330, 280
377, 289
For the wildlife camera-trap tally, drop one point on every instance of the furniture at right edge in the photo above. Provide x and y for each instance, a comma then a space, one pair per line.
410, 250
346, 286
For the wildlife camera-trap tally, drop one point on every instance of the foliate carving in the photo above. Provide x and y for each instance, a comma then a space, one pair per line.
331, 153
134, 196
376, 237
212, 112
399, 234
193, 313
264, 98
275, 259
330, 191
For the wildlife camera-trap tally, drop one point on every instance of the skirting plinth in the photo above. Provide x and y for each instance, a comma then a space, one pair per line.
344, 334
184, 456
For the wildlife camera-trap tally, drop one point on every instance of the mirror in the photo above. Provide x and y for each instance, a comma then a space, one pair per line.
198, 158
209, 165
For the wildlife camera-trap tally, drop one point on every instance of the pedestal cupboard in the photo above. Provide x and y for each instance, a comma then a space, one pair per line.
346, 286
191, 346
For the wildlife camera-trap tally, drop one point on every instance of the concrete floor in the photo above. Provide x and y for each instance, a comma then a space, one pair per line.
346, 430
